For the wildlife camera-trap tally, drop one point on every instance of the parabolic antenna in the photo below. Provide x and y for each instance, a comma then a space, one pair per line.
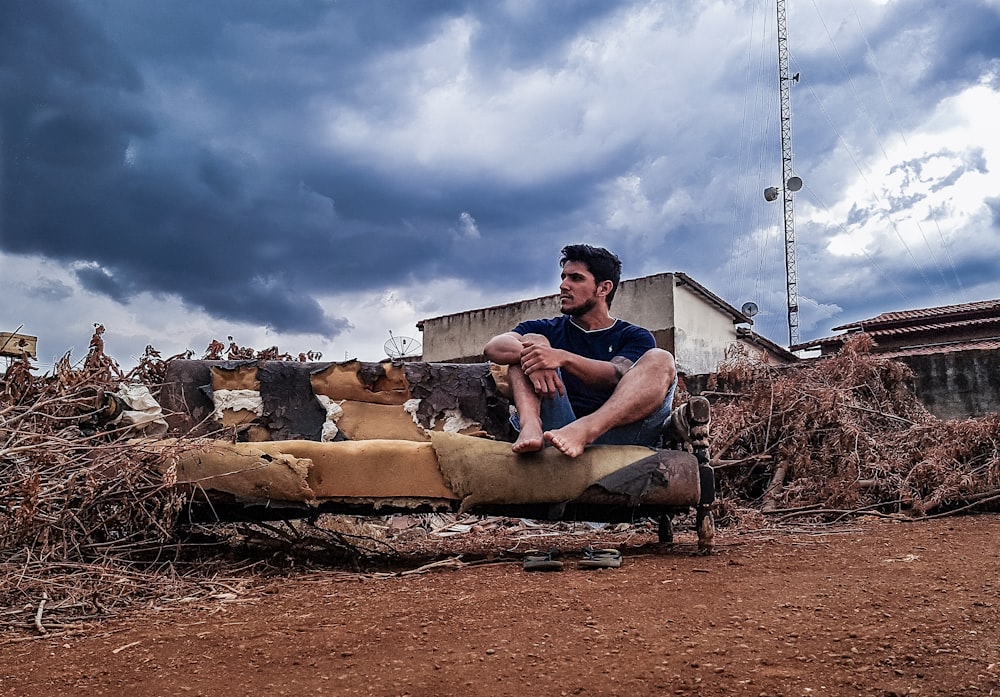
401, 347
794, 183
749, 309
770, 193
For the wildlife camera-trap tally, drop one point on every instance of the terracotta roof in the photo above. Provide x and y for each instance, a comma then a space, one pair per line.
931, 321
992, 344
979, 307
936, 327
750, 336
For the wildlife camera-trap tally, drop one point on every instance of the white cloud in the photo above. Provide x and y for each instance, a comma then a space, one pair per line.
945, 169
467, 227
172, 328
399, 308
71, 312
611, 87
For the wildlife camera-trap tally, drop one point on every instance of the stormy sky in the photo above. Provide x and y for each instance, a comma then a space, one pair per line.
314, 174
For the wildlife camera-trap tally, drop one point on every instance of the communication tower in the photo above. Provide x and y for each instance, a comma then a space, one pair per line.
792, 183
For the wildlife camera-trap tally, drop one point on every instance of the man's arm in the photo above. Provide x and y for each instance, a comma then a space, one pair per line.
538, 355
510, 349
597, 373
504, 349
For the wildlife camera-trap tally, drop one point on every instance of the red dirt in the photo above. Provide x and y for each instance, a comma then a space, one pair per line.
877, 608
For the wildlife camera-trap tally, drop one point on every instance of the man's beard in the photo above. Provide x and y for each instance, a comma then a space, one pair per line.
581, 309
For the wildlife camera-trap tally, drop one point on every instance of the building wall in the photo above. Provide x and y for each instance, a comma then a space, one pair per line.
702, 333
958, 384
460, 338
646, 301
696, 331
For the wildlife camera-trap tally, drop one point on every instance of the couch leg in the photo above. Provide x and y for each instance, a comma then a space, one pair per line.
706, 529
666, 530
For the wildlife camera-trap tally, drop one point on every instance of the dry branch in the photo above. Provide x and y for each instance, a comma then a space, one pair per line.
845, 433
88, 524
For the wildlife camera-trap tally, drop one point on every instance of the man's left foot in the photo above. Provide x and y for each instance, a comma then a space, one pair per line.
570, 440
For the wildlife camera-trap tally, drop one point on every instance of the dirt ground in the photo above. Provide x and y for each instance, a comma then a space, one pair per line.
874, 607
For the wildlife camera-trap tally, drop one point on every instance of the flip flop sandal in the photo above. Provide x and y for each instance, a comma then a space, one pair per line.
600, 558
542, 561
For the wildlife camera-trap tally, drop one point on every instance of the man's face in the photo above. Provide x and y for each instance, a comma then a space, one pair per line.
578, 292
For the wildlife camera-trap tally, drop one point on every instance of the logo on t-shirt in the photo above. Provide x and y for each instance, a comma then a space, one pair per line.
611, 349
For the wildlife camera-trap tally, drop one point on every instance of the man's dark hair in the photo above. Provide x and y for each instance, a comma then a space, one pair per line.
603, 264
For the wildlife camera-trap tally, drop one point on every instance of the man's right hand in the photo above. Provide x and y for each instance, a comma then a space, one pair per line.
534, 355
540, 363
547, 382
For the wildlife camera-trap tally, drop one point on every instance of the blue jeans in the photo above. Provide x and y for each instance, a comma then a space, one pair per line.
557, 412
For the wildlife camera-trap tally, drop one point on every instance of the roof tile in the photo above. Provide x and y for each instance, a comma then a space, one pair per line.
926, 313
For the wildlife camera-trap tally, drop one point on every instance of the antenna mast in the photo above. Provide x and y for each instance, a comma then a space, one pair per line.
792, 286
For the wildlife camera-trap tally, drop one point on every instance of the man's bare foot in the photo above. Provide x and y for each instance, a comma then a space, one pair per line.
529, 440
570, 440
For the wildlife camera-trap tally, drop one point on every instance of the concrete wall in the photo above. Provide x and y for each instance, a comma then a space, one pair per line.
460, 338
647, 301
702, 333
959, 384
698, 332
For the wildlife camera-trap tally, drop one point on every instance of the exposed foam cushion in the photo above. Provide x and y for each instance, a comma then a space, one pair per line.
343, 381
369, 469
243, 377
365, 421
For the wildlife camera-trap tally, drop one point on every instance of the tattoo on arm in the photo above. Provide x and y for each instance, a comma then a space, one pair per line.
621, 365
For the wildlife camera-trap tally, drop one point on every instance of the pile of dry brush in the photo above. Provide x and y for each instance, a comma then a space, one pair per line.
88, 524
845, 434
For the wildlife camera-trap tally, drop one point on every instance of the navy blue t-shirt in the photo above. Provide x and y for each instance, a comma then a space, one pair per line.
620, 339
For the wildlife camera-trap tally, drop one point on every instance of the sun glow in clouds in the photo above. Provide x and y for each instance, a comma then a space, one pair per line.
937, 179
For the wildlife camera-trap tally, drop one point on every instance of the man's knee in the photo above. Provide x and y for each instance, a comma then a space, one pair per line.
659, 361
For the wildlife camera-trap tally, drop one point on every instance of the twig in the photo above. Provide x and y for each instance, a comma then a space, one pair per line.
750, 460
38, 614
844, 512
126, 646
800, 509
954, 511
881, 413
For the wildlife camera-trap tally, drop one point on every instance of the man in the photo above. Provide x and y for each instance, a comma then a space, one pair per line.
585, 377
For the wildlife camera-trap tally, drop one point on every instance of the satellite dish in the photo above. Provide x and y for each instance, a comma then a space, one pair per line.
401, 347
794, 183
749, 309
770, 193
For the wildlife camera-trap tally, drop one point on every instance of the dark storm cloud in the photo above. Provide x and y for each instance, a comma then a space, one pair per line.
98, 280
113, 180
955, 40
517, 41
186, 148
994, 205
967, 35
974, 270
